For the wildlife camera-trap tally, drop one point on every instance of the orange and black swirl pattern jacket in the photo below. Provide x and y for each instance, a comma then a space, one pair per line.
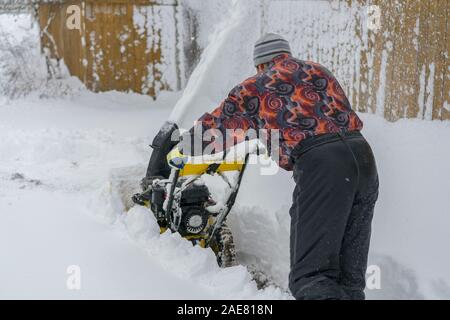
301, 99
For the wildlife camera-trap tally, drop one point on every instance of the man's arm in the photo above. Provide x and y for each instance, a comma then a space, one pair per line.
225, 126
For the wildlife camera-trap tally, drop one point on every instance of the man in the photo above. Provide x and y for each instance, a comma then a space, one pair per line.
334, 168
320, 141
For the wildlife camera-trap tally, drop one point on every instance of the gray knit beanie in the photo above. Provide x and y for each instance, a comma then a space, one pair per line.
268, 47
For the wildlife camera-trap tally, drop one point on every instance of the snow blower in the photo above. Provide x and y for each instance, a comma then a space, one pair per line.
181, 201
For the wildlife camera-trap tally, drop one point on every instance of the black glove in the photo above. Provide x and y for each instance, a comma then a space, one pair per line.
147, 182
145, 196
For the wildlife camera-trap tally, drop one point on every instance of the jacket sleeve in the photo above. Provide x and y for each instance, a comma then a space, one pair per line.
226, 125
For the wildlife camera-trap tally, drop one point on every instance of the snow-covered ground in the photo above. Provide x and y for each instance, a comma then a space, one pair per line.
58, 206
67, 163
412, 216
62, 166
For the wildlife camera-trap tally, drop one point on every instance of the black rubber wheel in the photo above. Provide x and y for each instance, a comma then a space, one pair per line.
223, 247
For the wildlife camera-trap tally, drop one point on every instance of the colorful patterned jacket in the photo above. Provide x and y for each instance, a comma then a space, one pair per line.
301, 99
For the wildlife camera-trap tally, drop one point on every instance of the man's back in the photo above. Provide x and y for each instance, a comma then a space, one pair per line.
301, 99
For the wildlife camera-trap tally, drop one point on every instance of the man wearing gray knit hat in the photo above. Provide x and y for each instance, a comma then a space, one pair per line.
268, 47
333, 165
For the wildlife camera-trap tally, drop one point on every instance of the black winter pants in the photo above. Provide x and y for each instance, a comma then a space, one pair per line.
333, 204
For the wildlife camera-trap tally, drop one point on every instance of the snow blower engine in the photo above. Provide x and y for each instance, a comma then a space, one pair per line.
181, 201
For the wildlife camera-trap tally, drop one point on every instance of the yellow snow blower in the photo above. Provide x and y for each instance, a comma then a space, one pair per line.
181, 201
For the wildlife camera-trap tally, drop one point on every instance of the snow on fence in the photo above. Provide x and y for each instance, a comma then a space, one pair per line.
124, 45
15, 6
391, 56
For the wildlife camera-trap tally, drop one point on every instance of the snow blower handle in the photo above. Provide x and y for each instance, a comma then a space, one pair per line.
221, 217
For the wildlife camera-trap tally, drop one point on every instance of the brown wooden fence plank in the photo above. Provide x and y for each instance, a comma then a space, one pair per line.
437, 44
394, 45
375, 48
405, 91
140, 50
422, 56
359, 91
445, 108
89, 46
70, 42
388, 37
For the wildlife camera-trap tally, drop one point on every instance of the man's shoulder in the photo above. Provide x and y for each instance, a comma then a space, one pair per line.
287, 63
251, 80
245, 85
318, 67
264, 76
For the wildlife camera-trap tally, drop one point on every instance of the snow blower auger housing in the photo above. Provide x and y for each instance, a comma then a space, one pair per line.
181, 201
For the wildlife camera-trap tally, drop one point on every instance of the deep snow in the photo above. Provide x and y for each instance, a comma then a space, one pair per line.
67, 165
411, 224
64, 164
59, 206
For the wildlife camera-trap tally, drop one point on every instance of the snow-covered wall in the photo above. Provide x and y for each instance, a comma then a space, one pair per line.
390, 56
115, 45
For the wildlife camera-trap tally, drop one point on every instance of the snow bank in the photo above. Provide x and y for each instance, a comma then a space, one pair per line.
172, 252
185, 261
410, 230
44, 231
410, 227
65, 188
88, 164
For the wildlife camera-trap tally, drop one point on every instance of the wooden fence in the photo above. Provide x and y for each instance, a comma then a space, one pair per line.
121, 44
398, 68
